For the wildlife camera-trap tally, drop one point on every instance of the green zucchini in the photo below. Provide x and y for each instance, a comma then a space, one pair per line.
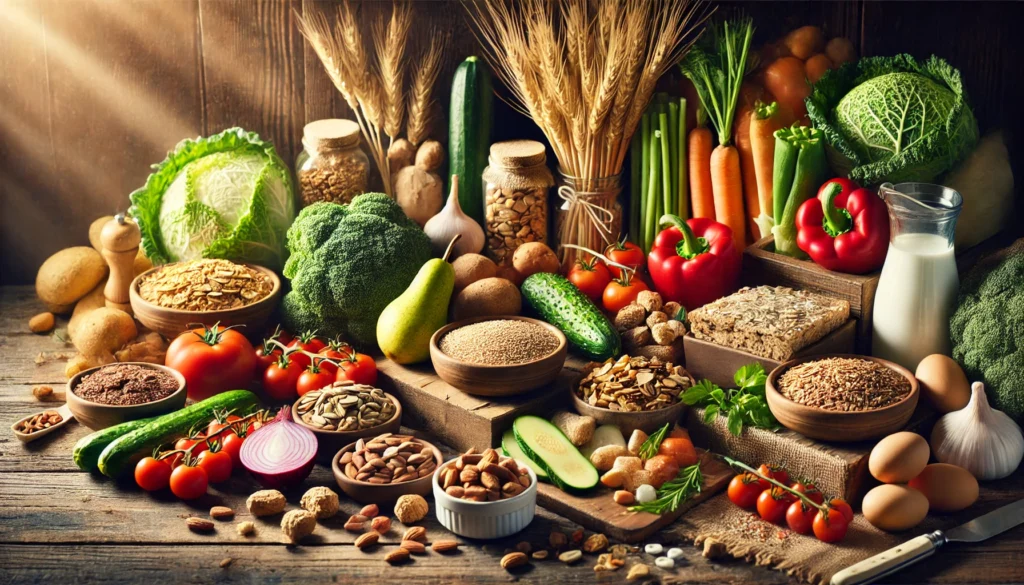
560, 303
513, 450
87, 450
469, 133
120, 453
549, 448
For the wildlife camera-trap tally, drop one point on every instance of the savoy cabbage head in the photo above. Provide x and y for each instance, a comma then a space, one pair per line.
894, 119
225, 196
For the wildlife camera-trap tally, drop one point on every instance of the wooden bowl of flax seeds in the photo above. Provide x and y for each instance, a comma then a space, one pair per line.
173, 298
498, 356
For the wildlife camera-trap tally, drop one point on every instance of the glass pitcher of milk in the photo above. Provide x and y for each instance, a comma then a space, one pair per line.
918, 287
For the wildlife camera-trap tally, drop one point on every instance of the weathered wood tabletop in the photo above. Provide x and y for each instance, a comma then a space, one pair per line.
60, 525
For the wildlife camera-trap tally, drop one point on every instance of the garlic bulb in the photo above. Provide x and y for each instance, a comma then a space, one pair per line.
450, 221
978, 438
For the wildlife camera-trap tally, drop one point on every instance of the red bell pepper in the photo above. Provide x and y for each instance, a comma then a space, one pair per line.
693, 262
845, 228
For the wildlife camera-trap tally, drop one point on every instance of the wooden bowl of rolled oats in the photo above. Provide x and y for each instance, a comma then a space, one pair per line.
171, 298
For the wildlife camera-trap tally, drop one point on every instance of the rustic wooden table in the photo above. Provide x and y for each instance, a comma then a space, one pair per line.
59, 525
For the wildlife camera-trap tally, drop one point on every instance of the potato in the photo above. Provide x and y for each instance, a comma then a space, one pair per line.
816, 66
400, 154
418, 192
510, 274
534, 257
840, 50
104, 331
490, 297
430, 155
470, 268
69, 275
95, 228
87, 304
805, 41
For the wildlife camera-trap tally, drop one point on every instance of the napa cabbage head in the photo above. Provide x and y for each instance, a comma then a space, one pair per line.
894, 119
225, 196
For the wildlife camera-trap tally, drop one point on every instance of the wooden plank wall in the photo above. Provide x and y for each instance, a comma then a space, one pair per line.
92, 92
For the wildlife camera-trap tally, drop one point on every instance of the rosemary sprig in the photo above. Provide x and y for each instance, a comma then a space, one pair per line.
673, 493
650, 447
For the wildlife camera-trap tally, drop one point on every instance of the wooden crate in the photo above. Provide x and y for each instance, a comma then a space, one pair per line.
761, 265
718, 363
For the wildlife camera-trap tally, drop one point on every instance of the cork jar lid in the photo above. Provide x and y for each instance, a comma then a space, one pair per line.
518, 154
330, 133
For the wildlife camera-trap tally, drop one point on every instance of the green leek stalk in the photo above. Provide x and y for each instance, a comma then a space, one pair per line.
673, 141
800, 167
635, 195
653, 197
683, 209
645, 183
666, 165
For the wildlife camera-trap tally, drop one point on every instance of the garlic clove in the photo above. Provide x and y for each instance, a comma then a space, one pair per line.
978, 438
451, 220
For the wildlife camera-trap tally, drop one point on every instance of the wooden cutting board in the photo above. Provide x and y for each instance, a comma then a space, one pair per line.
597, 511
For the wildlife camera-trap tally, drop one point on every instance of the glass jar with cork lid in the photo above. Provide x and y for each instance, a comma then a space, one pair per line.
331, 166
516, 185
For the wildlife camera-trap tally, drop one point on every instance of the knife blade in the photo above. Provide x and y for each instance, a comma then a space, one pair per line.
899, 557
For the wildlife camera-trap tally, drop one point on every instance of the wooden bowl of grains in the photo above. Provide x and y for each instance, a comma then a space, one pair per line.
171, 298
498, 356
842, 398
109, 395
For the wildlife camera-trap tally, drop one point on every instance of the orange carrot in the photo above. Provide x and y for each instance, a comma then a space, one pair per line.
742, 142
727, 190
702, 199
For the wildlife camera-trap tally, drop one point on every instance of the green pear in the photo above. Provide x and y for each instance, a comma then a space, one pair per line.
407, 323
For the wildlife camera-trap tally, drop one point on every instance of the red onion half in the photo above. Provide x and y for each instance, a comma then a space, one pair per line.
281, 453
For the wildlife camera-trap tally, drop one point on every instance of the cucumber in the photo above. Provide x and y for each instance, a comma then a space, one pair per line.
469, 133
549, 448
560, 303
87, 450
120, 453
512, 449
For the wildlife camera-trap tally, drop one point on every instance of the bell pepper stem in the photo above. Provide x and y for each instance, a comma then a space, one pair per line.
691, 246
836, 221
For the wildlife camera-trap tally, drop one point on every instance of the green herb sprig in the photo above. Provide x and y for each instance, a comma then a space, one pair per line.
650, 447
672, 493
744, 405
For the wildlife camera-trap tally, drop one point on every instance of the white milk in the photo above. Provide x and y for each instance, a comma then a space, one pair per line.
915, 296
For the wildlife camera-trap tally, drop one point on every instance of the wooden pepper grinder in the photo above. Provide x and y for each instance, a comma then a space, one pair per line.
120, 239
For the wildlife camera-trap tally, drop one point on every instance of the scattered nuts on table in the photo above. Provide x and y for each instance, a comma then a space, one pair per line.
524, 547
355, 523
398, 555
320, 501
367, 540
609, 562
345, 406
199, 524
596, 543
221, 513
246, 528
388, 459
415, 533
513, 560
638, 572
570, 556
266, 503
633, 384
557, 540
539, 555
369, 510
380, 524
41, 323
411, 508
42, 393
445, 546
226, 562
414, 547
297, 524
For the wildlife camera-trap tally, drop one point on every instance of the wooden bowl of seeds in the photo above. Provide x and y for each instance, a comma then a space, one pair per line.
344, 412
842, 398
382, 467
498, 356
172, 298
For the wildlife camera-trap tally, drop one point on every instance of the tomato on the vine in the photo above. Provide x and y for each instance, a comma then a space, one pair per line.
280, 378
744, 490
841, 505
314, 377
830, 525
232, 445
359, 368
306, 341
219, 422
775, 472
336, 351
625, 253
800, 517
189, 482
216, 464
212, 360
152, 474
591, 277
772, 504
621, 292
812, 493
186, 443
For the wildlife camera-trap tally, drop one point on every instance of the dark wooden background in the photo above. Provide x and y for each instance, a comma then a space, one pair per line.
92, 92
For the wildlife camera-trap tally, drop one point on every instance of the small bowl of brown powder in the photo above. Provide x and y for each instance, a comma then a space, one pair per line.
498, 356
842, 398
115, 393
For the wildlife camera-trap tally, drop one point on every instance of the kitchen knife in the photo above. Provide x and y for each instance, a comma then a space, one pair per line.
908, 553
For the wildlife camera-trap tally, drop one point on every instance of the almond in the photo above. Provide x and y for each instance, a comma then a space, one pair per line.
596, 543
414, 547
198, 524
399, 555
221, 513
354, 526
380, 524
369, 511
524, 547
444, 546
358, 518
367, 540
513, 560
415, 533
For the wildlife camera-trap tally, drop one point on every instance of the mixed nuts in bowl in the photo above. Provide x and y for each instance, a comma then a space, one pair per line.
485, 495
385, 467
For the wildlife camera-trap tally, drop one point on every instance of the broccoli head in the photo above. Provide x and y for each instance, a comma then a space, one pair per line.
347, 263
986, 328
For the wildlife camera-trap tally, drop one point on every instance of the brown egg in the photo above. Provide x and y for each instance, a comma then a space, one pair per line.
893, 507
943, 383
899, 457
948, 488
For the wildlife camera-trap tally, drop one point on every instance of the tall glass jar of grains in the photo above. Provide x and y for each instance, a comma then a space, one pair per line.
331, 166
516, 185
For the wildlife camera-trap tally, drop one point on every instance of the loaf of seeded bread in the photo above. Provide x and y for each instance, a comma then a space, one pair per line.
774, 322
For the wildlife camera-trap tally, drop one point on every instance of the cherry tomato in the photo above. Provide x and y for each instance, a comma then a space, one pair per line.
212, 360
152, 474
312, 378
810, 491
842, 506
185, 443
591, 277
189, 482
280, 378
307, 341
620, 293
216, 464
800, 517
744, 490
626, 253
216, 425
359, 368
265, 357
232, 445
772, 504
830, 526
681, 450
775, 472
336, 352
174, 460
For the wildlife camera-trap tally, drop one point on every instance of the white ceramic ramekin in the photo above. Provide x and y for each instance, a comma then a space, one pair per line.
485, 520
